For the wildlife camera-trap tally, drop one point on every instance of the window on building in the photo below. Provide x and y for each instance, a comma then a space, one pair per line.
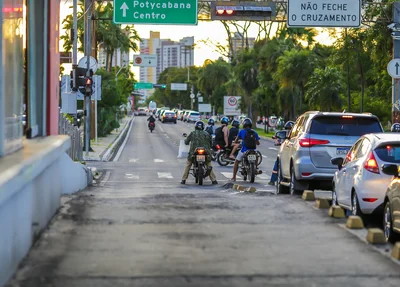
12, 75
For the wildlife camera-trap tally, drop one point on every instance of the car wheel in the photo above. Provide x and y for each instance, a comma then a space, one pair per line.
355, 206
390, 235
292, 182
280, 189
334, 197
174, 122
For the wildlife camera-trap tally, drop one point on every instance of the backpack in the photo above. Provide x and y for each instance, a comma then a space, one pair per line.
219, 136
209, 129
250, 140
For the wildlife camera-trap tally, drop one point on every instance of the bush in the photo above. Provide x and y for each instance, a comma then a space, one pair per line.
107, 121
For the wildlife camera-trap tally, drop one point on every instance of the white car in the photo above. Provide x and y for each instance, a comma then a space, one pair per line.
359, 185
193, 117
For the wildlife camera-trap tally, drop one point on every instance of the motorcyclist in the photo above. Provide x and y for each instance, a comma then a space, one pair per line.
233, 132
395, 128
210, 128
198, 138
247, 128
151, 119
222, 132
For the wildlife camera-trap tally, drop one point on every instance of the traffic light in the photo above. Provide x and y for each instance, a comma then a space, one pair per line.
159, 86
80, 79
88, 86
250, 11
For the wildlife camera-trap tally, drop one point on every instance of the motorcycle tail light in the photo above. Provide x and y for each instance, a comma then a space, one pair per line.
200, 151
218, 146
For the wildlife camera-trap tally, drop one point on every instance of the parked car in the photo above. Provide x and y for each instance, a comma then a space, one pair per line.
185, 115
391, 214
304, 158
169, 116
359, 186
280, 137
193, 117
142, 112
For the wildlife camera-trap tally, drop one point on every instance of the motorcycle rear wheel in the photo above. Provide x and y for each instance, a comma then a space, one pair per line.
220, 159
252, 172
200, 173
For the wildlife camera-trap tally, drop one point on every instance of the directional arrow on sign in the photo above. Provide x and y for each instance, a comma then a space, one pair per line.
124, 7
393, 68
397, 68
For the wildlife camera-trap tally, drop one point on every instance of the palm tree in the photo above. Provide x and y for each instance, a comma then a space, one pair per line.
324, 87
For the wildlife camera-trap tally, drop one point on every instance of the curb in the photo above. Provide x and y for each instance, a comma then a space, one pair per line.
110, 151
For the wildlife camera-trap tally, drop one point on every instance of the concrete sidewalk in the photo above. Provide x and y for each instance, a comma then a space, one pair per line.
105, 146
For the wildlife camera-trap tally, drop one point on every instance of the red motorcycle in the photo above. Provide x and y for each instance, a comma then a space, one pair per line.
152, 125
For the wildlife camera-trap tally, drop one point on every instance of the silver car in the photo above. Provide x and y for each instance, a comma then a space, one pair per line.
304, 158
193, 117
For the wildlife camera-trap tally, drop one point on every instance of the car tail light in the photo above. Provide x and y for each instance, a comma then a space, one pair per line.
218, 146
306, 173
200, 151
347, 117
307, 142
369, 199
371, 164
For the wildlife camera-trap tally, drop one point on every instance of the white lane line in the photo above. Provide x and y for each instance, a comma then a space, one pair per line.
131, 176
105, 179
124, 143
162, 130
227, 174
164, 175
264, 156
262, 176
273, 148
134, 160
158, 160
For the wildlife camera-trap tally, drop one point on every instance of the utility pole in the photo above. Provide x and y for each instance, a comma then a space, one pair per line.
88, 42
396, 55
75, 43
348, 73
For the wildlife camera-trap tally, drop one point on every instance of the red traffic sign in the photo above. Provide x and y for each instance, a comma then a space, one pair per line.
232, 101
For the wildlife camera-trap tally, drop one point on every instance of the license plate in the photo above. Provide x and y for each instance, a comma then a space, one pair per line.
342, 151
251, 157
201, 158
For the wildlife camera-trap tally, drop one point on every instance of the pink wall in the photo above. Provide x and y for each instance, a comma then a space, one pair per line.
53, 65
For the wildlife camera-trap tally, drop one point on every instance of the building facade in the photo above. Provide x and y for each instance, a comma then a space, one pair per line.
238, 43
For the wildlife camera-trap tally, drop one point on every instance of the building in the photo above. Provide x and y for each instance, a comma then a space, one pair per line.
119, 58
169, 54
238, 43
33, 157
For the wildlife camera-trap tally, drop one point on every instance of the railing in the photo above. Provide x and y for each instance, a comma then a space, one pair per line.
66, 128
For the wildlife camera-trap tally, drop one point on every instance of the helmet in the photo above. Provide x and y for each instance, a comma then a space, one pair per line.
211, 122
247, 123
288, 125
225, 120
199, 125
395, 128
235, 123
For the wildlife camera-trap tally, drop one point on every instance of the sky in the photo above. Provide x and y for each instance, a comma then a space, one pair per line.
213, 30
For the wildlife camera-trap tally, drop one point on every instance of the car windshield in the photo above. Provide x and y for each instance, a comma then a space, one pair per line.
344, 126
195, 114
389, 153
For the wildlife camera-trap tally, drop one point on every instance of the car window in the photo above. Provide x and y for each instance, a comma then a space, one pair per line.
344, 126
352, 152
389, 153
297, 127
364, 148
195, 114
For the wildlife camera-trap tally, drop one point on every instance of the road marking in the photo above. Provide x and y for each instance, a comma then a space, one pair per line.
162, 130
227, 174
158, 160
262, 176
164, 175
264, 156
131, 176
116, 158
106, 177
134, 160
273, 148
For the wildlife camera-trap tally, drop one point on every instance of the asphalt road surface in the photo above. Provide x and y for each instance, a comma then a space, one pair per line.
140, 227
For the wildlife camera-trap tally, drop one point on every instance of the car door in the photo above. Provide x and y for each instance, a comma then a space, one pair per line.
289, 146
341, 176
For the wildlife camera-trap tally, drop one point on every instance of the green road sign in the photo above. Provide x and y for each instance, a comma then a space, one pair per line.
172, 12
143, 86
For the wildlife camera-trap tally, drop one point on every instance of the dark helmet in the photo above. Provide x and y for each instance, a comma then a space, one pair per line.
211, 122
395, 128
199, 125
225, 120
288, 125
247, 123
235, 123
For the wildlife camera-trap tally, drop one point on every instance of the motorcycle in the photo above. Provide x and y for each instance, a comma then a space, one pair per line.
248, 167
224, 160
152, 125
215, 149
199, 168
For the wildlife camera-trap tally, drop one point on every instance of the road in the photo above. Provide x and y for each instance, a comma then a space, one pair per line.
140, 227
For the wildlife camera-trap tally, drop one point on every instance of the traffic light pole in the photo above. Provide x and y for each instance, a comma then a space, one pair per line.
88, 42
75, 43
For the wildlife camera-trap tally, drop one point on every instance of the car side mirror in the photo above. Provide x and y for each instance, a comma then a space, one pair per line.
184, 135
390, 169
274, 137
337, 161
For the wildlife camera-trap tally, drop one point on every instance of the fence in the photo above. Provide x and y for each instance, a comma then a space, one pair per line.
66, 128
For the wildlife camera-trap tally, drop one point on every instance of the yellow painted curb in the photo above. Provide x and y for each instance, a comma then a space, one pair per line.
354, 222
322, 203
336, 212
376, 236
308, 195
396, 251
251, 189
240, 188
